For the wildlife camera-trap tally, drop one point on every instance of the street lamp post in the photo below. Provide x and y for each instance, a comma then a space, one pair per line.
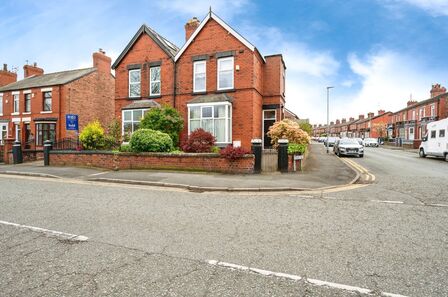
328, 116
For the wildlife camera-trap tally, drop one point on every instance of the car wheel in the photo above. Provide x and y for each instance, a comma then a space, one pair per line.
361, 156
421, 153
446, 157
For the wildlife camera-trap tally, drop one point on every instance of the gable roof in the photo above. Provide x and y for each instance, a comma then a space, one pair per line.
46, 80
167, 46
229, 29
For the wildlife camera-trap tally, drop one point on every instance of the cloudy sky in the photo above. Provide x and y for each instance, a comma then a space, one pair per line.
376, 53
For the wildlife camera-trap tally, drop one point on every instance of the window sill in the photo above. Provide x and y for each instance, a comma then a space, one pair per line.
15, 113
225, 91
155, 96
24, 113
49, 111
199, 93
134, 98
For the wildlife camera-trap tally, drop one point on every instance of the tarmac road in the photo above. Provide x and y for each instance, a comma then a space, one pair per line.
386, 237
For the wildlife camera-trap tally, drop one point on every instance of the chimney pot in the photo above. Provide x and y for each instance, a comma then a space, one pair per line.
5, 67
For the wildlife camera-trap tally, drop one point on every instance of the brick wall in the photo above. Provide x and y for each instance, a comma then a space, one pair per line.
122, 161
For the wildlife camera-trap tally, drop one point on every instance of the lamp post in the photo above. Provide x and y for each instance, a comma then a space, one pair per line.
328, 116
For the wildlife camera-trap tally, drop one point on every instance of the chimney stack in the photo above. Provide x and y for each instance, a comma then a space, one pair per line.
331, 123
344, 121
7, 77
101, 62
411, 102
370, 115
338, 122
381, 111
351, 119
437, 90
190, 27
361, 117
32, 70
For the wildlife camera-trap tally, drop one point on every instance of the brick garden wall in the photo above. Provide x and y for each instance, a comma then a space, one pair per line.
121, 161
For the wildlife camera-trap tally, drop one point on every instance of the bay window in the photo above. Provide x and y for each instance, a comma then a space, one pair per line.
214, 118
154, 81
225, 73
134, 83
199, 76
131, 120
45, 131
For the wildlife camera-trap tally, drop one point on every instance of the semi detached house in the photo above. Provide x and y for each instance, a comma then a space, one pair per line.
217, 80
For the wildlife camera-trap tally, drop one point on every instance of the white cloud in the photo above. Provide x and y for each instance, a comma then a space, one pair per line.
226, 9
433, 7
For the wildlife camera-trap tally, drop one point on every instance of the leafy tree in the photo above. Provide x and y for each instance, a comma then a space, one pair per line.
113, 135
288, 129
307, 127
165, 119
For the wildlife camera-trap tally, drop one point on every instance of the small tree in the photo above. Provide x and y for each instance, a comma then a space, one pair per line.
380, 129
306, 127
288, 129
199, 141
165, 119
92, 136
113, 135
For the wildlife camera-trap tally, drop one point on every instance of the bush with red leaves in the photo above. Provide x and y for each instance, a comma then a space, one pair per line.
233, 153
199, 141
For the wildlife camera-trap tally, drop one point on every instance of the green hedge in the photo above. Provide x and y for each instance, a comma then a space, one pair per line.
148, 140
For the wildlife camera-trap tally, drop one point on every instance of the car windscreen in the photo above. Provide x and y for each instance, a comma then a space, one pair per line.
348, 141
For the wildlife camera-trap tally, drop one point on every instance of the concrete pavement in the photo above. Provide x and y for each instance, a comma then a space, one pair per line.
322, 171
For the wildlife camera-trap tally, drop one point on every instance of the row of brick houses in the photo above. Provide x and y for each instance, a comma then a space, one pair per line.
217, 80
406, 126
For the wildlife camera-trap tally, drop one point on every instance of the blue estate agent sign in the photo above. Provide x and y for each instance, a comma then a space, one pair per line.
71, 122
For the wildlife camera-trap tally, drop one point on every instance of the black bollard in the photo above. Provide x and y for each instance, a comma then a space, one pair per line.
283, 155
256, 150
48, 146
17, 152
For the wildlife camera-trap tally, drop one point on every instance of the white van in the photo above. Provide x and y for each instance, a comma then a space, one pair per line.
435, 142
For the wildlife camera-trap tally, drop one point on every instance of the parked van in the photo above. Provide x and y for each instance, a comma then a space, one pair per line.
435, 142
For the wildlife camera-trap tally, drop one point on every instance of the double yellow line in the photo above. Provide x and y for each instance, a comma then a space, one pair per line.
368, 177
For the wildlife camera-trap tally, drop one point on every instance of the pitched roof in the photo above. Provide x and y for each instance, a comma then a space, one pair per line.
211, 99
46, 80
167, 46
213, 16
138, 104
420, 103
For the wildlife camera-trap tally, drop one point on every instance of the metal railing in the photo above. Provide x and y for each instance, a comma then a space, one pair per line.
67, 144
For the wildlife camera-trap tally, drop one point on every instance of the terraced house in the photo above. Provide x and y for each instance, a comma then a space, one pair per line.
217, 80
33, 109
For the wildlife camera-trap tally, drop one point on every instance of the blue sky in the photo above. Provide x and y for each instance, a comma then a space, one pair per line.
377, 53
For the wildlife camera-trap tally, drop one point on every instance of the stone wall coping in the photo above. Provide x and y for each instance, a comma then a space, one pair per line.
170, 155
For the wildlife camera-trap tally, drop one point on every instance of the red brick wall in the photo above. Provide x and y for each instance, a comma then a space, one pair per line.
189, 162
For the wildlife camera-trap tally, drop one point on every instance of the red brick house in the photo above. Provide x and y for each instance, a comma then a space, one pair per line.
33, 110
217, 80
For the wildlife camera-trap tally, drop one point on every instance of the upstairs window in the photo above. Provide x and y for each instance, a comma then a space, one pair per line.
1, 104
28, 102
154, 81
225, 73
15, 99
47, 101
134, 83
433, 110
199, 76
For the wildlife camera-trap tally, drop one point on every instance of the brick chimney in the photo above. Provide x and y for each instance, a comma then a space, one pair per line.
7, 77
331, 123
412, 102
101, 62
344, 121
370, 115
338, 122
351, 119
361, 117
30, 70
437, 90
190, 27
381, 111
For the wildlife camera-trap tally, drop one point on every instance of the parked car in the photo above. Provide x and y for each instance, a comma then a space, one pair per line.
371, 142
435, 142
348, 147
331, 141
359, 140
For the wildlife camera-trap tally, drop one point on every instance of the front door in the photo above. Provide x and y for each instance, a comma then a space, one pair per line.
411, 133
3, 133
269, 117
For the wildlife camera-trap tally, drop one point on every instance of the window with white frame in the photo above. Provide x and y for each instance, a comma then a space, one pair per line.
131, 120
413, 115
214, 118
1, 104
48, 101
154, 81
15, 99
199, 76
433, 110
28, 102
134, 83
225, 73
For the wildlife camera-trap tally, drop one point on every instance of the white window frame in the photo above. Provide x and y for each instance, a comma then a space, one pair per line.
3, 127
1, 104
154, 81
220, 60
132, 118
14, 97
134, 83
433, 110
413, 115
228, 118
195, 64
43, 102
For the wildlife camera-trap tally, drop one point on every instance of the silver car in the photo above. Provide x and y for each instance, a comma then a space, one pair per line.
348, 147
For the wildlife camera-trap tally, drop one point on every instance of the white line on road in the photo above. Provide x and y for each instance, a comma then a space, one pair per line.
388, 201
315, 282
62, 235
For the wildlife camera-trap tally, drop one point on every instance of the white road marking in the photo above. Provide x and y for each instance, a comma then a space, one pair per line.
62, 235
293, 277
99, 173
388, 201
438, 205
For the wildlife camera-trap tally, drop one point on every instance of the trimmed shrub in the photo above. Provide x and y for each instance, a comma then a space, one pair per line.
148, 140
125, 148
233, 153
199, 141
165, 119
92, 136
296, 149
288, 129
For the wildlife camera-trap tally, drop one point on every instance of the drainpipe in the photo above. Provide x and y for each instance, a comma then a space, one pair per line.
175, 82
